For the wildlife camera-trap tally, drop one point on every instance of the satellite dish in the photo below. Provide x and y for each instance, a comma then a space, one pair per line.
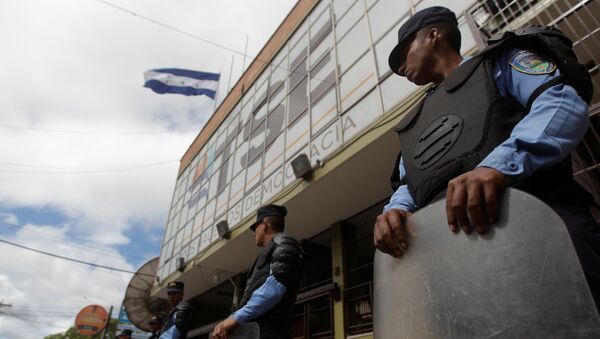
139, 305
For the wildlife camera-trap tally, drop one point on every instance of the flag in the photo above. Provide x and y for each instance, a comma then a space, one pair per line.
181, 81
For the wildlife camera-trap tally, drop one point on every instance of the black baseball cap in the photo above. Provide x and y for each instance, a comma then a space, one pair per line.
420, 20
175, 287
155, 321
267, 211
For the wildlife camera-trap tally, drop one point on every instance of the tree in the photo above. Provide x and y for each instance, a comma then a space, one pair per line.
72, 333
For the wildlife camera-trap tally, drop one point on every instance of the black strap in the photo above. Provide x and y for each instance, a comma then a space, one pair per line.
542, 88
395, 181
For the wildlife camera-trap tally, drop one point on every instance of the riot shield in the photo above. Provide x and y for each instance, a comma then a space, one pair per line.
520, 280
249, 330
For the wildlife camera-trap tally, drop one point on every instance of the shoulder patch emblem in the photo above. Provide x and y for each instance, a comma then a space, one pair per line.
529, 62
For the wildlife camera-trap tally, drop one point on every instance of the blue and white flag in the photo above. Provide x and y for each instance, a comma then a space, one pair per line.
181, 81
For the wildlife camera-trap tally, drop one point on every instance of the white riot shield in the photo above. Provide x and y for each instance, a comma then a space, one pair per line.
249, 330
520, 280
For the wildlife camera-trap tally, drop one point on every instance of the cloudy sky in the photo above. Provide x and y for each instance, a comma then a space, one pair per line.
88, 157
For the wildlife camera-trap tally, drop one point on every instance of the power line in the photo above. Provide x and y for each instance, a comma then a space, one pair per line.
89, 248
51, 309
33, 322
43, 314
72, 259
175, 29
87, 167
92, 132
83, 171
172, 28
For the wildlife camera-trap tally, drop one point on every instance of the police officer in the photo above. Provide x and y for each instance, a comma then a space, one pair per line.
125, 334
177, 321
272, 283
155, 324
477, 132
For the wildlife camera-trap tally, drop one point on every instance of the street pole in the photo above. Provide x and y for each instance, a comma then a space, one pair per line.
107, 322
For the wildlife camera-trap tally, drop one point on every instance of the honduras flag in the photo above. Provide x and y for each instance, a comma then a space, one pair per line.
181, 81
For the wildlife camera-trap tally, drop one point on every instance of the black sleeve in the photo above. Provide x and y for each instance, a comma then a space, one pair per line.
183, 314
285, 262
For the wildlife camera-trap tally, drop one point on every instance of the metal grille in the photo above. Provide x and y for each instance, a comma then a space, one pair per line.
578, 20
358, 263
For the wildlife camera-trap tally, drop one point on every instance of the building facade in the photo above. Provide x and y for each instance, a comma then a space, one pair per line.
322, 87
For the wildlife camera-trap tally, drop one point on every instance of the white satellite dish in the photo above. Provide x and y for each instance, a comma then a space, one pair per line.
139, 305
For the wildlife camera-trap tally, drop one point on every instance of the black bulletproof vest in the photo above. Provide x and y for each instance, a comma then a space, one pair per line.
455, 127
179, 316
275, 321
258, 273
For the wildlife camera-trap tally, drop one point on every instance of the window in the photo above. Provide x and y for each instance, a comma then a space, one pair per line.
383, 49
350, 18
358, 252
353, 45
322, 77
340, 7
323, 111
298, 101
313, 313
586, 162
384, 14
357, 81
275, 124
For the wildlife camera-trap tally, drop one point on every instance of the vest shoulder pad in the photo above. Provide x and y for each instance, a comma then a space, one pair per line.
183, 306
283, 238
183, 313
285, 262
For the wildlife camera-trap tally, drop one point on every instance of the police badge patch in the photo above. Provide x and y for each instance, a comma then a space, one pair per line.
529, 62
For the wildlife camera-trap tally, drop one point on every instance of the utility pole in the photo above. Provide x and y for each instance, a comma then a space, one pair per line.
107, 322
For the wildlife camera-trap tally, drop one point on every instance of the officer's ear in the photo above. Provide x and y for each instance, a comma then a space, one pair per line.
433, 36
428, 36
268, 225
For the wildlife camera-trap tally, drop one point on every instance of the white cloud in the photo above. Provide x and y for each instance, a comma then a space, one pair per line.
46, 292
78, 66
9, 218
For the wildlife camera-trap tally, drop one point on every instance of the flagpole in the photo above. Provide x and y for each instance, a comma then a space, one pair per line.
245, 53
217, 94
230, 72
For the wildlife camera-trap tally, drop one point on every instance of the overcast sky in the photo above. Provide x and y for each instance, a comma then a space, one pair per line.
89, 157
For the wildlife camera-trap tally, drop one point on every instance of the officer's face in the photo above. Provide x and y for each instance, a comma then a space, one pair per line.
259, 233
419, 62
174, 297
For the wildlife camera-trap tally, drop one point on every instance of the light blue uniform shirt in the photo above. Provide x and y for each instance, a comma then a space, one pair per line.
551, 130
171, 333
263, 299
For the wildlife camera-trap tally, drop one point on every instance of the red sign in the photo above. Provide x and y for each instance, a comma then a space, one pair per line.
91, 320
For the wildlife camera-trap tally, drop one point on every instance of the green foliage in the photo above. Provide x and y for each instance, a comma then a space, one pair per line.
72, 333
